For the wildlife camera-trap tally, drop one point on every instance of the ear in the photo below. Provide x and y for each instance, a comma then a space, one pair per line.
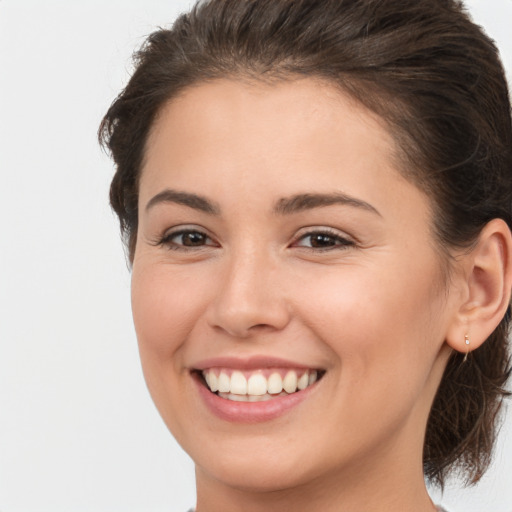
486, 282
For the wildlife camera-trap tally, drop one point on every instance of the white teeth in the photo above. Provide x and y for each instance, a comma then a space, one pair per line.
237, 398
303, 382
238, 383
224, 383
257, 387
213, 381
290, 382
258, 398
249, 398
275, 384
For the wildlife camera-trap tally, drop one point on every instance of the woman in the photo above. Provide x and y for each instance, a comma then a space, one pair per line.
316, 200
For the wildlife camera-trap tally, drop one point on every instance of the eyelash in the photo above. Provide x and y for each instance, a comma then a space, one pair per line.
339, 242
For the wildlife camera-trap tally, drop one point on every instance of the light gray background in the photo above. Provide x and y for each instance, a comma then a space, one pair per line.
78, 431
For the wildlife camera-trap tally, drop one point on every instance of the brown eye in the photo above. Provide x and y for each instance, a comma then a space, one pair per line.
190, 239
187, 239
323, 240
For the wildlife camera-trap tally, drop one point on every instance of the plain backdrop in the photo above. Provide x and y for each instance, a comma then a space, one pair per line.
78, 431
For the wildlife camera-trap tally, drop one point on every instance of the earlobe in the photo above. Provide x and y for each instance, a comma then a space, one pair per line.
487, 287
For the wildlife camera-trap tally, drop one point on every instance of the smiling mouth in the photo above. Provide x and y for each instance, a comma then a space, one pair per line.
258, 385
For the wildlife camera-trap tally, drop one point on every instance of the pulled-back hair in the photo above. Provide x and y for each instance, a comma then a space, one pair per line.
430, 73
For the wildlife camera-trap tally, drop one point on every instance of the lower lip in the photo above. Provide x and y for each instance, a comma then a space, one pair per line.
250, 412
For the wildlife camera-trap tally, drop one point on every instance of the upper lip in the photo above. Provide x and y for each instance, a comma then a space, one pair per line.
250, 363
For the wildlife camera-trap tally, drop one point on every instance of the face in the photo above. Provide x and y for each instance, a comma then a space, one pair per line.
282, 258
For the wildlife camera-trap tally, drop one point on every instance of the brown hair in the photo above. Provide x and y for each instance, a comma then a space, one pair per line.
429, 72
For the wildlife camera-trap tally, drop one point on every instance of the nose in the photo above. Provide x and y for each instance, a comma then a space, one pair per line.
250, 298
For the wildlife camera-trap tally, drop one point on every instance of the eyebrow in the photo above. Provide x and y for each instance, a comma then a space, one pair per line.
194, 201
302, 202
284, 206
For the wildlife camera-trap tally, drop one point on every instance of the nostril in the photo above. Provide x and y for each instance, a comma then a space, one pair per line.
242, 330
261, 327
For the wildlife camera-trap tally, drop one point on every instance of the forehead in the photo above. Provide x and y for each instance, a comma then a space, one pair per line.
256, 126
308, 101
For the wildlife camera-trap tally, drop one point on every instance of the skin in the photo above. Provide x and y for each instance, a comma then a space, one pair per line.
372, 309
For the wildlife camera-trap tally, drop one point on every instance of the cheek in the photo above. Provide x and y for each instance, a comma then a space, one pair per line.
382, 338
377, 317
166, 305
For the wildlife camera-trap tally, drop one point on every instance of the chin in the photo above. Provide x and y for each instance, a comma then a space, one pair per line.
255, 475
